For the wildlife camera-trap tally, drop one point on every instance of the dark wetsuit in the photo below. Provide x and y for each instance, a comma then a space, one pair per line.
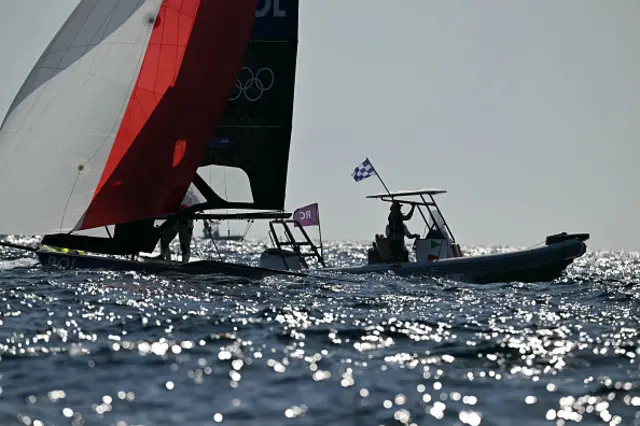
396, 234
184, 229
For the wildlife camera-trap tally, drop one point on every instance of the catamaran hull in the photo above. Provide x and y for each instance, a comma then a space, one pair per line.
52, 259
532, 265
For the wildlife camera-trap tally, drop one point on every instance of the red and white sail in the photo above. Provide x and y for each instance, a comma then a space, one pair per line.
115, 117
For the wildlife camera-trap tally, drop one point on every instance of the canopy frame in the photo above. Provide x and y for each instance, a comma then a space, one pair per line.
422, 203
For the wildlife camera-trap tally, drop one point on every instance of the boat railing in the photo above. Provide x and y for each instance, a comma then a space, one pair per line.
297, 246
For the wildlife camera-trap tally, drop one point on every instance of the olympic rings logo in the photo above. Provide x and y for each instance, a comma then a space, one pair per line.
252, 85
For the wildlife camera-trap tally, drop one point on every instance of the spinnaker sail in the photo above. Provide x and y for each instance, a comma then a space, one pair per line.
116, 115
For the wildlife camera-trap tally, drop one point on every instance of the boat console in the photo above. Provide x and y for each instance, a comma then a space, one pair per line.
438, 243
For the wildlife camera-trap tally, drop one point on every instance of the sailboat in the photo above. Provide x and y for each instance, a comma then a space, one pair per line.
130, 98
212, 231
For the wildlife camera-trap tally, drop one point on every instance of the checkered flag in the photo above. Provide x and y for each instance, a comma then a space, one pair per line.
363, 171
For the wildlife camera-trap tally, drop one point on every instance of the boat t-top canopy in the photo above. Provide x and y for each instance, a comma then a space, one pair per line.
430, 205
408, 193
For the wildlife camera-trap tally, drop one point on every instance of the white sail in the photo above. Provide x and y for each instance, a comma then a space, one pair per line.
60, 129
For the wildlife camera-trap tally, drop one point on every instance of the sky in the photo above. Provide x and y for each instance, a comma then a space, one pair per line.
527, 112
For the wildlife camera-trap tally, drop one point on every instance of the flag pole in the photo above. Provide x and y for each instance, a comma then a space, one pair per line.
380, 178
320, 234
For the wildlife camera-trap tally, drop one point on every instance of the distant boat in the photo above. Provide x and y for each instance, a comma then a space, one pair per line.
212, 231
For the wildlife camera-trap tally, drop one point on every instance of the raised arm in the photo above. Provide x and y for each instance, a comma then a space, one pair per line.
409, 215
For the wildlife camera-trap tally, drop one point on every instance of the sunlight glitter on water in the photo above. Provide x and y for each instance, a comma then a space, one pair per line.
122, 348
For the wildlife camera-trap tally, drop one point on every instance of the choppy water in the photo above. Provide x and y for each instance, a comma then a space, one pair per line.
100, 348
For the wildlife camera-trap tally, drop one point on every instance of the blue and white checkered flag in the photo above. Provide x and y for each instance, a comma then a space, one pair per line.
363, 171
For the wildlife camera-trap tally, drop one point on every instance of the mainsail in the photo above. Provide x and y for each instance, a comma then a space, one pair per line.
115, 117
254, 133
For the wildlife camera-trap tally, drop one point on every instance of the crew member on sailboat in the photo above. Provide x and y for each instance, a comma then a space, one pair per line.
184, 229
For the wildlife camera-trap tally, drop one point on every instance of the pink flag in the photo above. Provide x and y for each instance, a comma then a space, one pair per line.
307, 215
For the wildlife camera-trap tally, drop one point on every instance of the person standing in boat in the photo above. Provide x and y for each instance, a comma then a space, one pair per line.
183, 228
397, 230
